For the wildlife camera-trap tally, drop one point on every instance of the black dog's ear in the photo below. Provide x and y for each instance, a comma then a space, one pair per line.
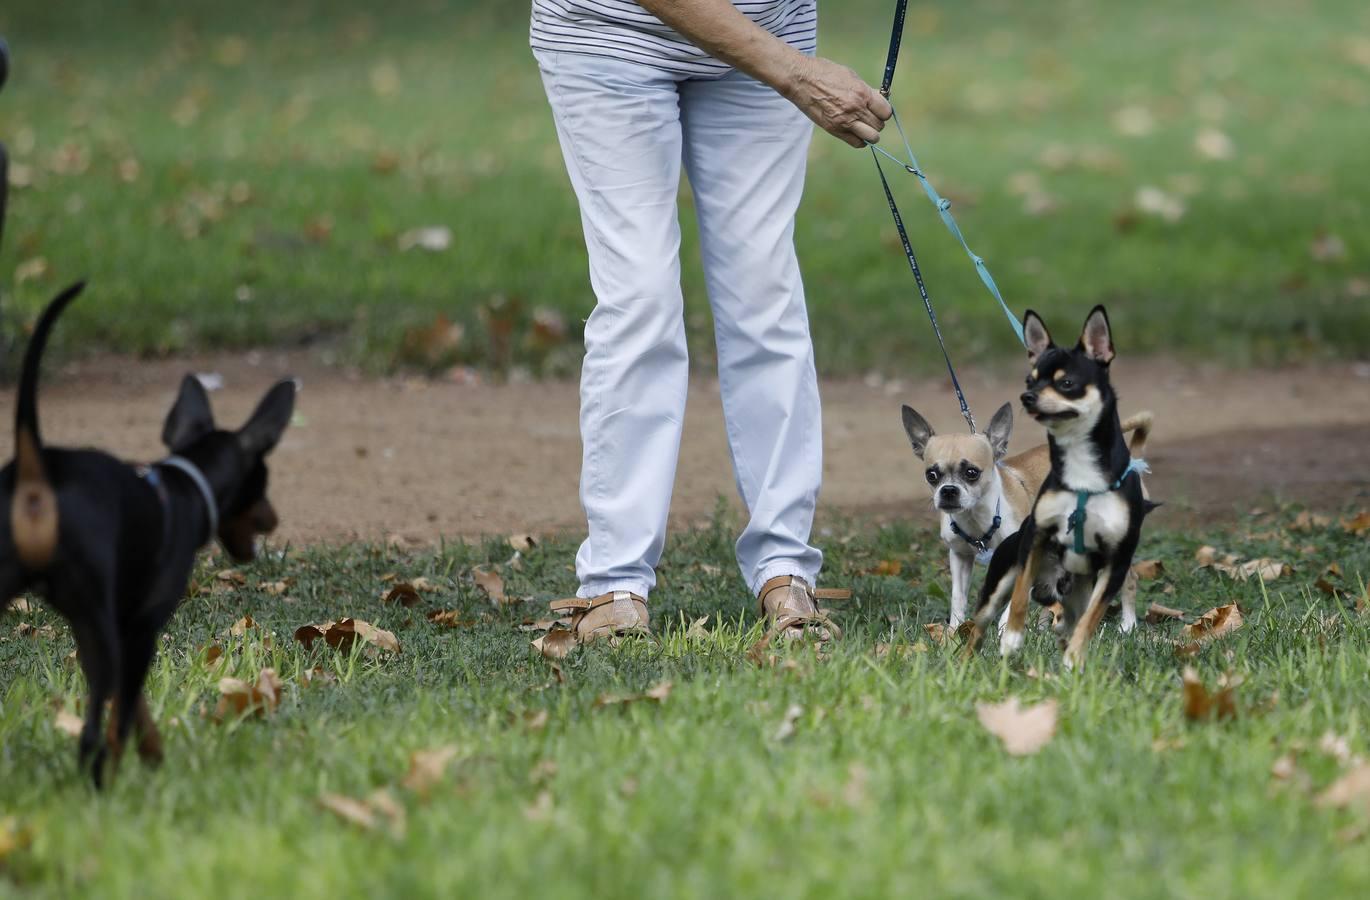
918, 430
1000, 427
268, 422
1035, 335
1097, 337
190, 418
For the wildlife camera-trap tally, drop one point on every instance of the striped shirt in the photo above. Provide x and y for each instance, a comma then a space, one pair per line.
622, 29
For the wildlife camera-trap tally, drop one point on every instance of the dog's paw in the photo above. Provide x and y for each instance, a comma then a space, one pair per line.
1010, 642
955, 622
1128, 621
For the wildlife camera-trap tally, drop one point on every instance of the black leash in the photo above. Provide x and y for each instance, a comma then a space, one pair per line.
891, 61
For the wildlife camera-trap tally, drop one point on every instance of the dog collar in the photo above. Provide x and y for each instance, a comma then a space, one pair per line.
1076, 522
981, 543
192, 471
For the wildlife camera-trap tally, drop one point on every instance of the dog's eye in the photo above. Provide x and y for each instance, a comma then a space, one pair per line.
933, 475
972, 474
1066, 384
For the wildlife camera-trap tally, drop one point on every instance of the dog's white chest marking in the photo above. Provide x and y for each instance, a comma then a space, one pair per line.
1106, 523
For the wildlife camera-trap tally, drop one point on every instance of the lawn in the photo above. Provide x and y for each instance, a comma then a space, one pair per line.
245, 174
882, 783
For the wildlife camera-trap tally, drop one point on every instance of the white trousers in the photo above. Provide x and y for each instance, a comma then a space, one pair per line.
625, 129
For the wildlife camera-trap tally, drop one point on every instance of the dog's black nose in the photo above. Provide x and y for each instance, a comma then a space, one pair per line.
949, 491
1029, 399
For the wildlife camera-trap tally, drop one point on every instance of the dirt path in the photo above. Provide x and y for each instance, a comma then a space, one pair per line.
375, 459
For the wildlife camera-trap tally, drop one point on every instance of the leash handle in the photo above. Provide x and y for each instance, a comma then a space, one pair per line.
896, 38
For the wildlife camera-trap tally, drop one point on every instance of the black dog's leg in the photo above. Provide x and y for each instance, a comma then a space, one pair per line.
97, 647
1003, 571
139, 646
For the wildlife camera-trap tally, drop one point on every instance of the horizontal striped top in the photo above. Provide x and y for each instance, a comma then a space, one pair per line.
622, 29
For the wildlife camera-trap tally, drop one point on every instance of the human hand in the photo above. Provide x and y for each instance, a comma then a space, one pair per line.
837, 100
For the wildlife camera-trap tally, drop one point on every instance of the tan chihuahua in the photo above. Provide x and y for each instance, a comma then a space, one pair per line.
983, 495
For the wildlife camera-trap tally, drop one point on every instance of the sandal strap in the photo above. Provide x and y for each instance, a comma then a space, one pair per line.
832, 594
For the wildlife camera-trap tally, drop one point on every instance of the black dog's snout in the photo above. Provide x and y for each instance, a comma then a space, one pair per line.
1029, 399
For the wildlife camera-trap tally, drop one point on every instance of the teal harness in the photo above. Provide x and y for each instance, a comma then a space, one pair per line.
1076, 522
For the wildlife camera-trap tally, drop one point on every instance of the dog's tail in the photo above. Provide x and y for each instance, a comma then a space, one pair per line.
33, 507
1140, 426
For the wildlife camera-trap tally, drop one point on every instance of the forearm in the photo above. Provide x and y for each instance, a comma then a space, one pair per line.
719, 29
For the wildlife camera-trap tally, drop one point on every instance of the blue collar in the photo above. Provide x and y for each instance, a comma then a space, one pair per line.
197, 478
981, 543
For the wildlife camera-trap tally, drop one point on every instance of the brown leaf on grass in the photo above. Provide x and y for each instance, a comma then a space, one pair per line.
231, 577
425, 585
542, 808
1232, 566
1353, 788
450, 618
1216, 623
888, 567
403, 593
350, 810
785, 730
211, 654
697, 631
238, 698
277, 588
1156, 614
491, 583
28, 629
937, 631
384, 803
1337, 747
1325, 586
1199, 704
1023, 731
1284, 768
308, 634
556, 644
317, 675
1310, 521
1358, 524
433, 343
242, 626
1149, 569
22, 605
523, 542
658, 693
343, 634
427, 768
14, 836
68, 723
536, 720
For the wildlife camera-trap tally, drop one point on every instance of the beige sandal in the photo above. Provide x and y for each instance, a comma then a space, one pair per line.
608, 615
790, 604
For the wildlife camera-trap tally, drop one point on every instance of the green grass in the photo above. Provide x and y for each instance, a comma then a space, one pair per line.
887, 787
293, 102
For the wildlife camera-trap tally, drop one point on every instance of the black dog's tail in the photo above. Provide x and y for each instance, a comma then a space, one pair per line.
33, 508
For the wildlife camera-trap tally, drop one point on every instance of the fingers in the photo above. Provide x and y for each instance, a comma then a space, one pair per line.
865, 133
880, 106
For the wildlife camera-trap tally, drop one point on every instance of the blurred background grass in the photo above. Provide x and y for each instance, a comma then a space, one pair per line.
245, 175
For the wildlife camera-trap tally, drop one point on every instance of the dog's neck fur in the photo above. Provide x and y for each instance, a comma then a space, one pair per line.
1091, 457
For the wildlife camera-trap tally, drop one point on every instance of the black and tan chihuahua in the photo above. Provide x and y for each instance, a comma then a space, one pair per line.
111, 546
1087, 518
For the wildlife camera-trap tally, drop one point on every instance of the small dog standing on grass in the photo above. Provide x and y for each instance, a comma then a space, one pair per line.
1090, 509
111, 546
983, 495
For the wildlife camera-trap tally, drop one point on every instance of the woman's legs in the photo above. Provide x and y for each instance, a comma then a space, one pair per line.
745, 149
619, 127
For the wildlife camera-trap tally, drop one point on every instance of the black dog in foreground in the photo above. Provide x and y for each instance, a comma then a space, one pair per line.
1088, 515
111, 546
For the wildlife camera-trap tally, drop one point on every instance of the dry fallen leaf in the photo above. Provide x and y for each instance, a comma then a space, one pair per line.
697, 631
786, 729
68, 723
937, 631
1358, 524
232, 577
1232, 566
1156, 613
1200, 704
1309, 521
523, 542
237, 697
1023, 731
242, 626
1215, 623
343, 634
317, 675
427, 768
276, 588
349, 809
450, 618
1149, 569
537, 720
542, 808
556, 644
491, 583
1351, 788
888, 567
658, 692
22, 605
403, 593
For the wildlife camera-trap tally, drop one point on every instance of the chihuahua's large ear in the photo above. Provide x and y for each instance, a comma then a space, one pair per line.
1035, 335
1000, 427
268, 422
1097, 337
190, 418
918, 430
